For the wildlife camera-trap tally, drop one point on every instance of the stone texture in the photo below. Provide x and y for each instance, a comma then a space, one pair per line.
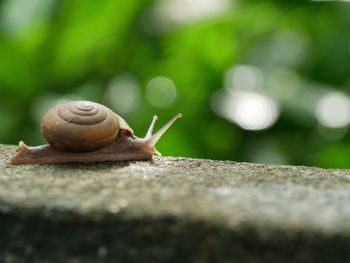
173, 210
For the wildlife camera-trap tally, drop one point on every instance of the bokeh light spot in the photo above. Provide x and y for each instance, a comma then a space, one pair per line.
18, 14
288, 48
333, 110
251, 111
255, 112
161, 92
195, 9
123, 94
244, 77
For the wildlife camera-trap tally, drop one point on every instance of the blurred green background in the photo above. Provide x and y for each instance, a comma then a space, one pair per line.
258, 81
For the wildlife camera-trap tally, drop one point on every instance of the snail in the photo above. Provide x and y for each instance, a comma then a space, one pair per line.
85, 131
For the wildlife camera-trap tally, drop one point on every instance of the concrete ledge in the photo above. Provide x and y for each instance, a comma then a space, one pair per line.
173, 210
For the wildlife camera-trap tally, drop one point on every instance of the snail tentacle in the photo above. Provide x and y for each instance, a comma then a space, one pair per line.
151, 127
156, 137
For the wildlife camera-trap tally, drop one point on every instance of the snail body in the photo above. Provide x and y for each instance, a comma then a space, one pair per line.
84, 131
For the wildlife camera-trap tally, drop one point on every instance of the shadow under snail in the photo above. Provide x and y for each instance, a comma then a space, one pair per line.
85, 131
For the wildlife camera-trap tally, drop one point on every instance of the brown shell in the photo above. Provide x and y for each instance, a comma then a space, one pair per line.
81, 126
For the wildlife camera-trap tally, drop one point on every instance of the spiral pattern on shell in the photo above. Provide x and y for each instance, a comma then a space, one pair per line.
80, 126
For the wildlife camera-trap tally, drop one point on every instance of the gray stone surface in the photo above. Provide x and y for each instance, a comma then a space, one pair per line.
173, 210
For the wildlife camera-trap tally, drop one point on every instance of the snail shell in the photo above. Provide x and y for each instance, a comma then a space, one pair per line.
81, 126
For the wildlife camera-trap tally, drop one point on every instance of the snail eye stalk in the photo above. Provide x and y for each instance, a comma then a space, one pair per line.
153, 139
151, 127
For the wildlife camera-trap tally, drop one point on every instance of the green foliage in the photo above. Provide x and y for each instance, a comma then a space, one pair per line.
53, 50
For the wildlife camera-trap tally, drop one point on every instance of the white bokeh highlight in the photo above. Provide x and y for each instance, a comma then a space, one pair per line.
161, 92
333, 110
249, 110
16, 15
244, 77
123, 94
252, 111
182, 11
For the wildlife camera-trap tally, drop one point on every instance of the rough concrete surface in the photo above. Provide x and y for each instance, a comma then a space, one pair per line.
173, 210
